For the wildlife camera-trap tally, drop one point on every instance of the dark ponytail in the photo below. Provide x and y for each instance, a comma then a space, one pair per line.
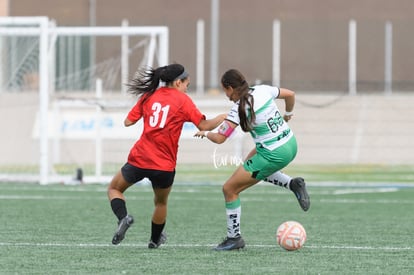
233, 78
146, 81
246, 120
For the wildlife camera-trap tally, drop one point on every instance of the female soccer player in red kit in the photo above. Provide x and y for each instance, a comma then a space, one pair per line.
163, 110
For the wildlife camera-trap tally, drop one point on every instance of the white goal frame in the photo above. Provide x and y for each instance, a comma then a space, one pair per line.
47, 32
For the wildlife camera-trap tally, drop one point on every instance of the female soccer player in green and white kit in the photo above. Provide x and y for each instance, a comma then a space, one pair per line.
256, 112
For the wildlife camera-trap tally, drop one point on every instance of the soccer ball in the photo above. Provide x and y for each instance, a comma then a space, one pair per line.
291, 235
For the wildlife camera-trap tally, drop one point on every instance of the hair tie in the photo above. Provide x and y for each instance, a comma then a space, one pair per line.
183, 75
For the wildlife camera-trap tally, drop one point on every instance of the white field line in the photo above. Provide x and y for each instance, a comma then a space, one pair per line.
144, 245
363, 190
196, 187
255, 190
244, 199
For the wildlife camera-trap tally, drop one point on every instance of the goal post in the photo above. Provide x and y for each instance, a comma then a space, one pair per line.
39, 28
45, 59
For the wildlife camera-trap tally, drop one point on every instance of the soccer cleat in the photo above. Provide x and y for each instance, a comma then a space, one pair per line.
231, 244
123, 226
298, 186
162, 240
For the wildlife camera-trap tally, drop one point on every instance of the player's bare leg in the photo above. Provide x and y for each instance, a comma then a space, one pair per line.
159, 217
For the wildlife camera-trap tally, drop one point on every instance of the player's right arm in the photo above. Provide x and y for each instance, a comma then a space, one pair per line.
128, 122
134, 115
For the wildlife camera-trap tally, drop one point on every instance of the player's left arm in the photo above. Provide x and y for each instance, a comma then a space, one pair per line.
289, 97
210, 124
225, 130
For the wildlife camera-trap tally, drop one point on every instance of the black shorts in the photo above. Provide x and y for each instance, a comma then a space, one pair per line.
159, 179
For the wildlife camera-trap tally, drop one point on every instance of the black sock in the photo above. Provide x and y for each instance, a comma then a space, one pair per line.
156, 230
119, 208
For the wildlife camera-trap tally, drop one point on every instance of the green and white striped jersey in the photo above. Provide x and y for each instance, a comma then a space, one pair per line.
270, 131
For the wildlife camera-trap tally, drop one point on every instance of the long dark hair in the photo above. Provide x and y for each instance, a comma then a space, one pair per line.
233, 78
147, 80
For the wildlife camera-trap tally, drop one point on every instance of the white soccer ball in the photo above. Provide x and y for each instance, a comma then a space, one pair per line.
291, 235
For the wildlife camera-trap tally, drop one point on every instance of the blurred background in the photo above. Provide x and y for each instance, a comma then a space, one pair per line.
314, 35
350, 62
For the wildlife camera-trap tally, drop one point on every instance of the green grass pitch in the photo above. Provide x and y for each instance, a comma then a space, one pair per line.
57, 229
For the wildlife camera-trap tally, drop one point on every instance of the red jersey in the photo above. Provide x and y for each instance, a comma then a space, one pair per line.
164, 114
